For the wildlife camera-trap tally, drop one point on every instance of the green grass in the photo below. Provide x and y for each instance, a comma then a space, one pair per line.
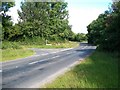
12, 54
38, 44
11, 45
55, 45
16, 50
100, 70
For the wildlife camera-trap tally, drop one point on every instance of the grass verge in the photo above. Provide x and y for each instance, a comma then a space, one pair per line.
55, 45
30, 44
100, 70
14, 50
12, 54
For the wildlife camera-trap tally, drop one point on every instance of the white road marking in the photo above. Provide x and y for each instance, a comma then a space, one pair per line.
42, 60
45, 54
55, 57
84, 47
0, 70
54, 52
48, 58
16, 67
33, 62
67, 49
37, 55
70, 53
62, 50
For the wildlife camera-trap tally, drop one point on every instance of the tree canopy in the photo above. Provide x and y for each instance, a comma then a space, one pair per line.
105, 30
44, 19
5, 18
47, 20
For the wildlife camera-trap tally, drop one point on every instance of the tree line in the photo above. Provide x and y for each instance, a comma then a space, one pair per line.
48, 20
105, 30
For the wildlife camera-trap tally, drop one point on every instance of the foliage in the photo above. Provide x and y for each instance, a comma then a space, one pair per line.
12, 54
47, 20
6, 19
81, 37
55, 45
105, 30
10, 45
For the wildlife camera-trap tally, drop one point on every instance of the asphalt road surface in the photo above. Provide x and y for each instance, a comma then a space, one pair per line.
29, 71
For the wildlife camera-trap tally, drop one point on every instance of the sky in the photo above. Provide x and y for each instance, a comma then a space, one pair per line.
81, 12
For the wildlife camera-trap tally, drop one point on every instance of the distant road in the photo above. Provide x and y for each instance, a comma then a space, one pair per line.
28, 72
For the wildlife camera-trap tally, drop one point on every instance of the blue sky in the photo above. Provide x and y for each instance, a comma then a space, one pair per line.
88, 3
81, 12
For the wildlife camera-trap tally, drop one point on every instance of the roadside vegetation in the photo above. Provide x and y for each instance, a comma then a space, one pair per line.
105, 30
15, 50
48, 21
100, 70
38, 44
46, 27
12, 54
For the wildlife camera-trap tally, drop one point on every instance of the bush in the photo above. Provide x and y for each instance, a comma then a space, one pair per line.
10, 45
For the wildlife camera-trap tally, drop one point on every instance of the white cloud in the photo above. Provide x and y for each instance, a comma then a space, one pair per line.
80, 18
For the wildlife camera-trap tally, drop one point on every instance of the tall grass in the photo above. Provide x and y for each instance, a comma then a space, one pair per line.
10, 45
100, 70
11, 54
38, 42
55, 45
14, 50
18, 49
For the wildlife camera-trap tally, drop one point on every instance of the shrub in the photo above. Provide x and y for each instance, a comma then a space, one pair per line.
10, 45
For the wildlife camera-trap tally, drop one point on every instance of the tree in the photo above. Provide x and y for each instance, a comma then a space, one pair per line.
96, 29
112, 34
44, 19
6, 19
34, 18
105, 30
80, 37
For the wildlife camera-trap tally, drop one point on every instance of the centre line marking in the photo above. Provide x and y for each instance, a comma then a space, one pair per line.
16, 67
55, 57
33, 62
45, 54
70, 53
0, 70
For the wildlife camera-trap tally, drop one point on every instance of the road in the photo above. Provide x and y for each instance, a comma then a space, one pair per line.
28, 72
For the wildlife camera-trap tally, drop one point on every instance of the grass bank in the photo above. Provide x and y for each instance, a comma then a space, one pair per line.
12, 54
55, 45
40, 43
100, 70
15, 50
